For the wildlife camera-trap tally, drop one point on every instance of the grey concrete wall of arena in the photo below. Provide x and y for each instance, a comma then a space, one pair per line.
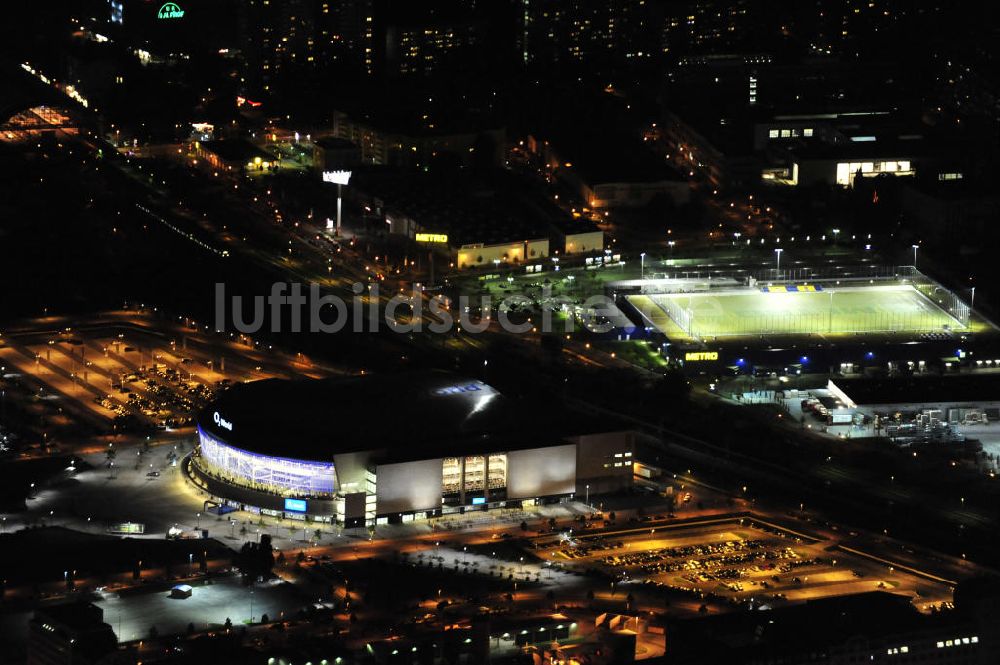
604, 461
247, 497
541, 472
409, 486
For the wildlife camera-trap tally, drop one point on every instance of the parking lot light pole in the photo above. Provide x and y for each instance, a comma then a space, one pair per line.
588, 496
778, 252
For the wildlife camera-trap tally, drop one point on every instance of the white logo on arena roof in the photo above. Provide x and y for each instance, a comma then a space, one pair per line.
222, 422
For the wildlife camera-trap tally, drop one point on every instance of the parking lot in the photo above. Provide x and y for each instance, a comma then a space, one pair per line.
737, 561
116, 381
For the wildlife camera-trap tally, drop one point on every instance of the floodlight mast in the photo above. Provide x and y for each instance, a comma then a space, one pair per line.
339, 178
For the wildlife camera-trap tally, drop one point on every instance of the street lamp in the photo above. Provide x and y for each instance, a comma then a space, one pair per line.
915, 248
778, 252
588, 496
642, 265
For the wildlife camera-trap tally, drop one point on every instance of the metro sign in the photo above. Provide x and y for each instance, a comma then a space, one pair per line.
170, 10
432, 237
699, 356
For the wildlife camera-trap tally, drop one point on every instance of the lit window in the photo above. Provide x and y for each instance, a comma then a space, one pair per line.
772, 134
807, 131
843, 173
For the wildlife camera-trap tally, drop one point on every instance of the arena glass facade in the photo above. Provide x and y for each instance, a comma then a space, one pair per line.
277, 475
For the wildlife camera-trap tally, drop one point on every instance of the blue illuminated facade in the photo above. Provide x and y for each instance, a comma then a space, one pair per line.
277, 475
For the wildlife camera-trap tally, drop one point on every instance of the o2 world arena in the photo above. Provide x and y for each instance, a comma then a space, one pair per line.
370, 450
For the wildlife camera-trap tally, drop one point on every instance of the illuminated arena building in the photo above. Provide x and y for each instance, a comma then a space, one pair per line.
378, 449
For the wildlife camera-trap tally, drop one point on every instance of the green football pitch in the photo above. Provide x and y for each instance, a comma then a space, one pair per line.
861, 309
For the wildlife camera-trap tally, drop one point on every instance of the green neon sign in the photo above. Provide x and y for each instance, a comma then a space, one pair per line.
170, 10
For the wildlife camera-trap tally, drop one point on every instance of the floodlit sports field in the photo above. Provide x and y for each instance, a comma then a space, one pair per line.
895, 308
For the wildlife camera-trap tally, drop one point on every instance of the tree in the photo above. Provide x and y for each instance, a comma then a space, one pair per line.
190, 628
264, 618
318, 534
256, 559
228, 624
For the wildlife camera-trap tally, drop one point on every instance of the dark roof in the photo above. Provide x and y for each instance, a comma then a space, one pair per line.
20, 92
881, 148
76, 616
790, 632
409, 416
334, 143
603, 158
235, 151
922, 389
489, 208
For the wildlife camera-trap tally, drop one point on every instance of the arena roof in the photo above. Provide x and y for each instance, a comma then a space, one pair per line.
408, 416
